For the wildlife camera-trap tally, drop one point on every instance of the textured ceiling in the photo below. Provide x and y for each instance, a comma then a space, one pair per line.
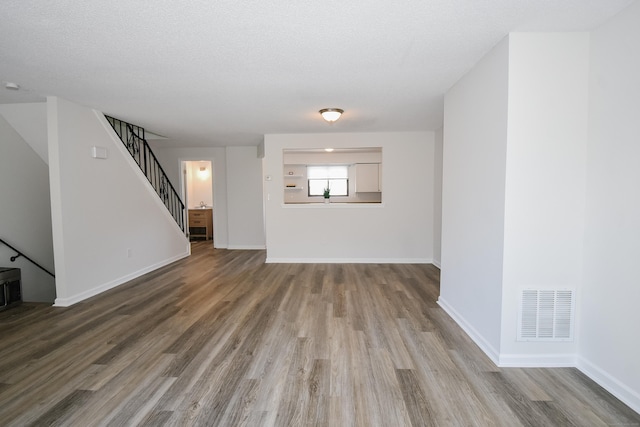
214, 73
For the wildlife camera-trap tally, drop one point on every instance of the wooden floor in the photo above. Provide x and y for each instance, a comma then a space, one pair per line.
223, 339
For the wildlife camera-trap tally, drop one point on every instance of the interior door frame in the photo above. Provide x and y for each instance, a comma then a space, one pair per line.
183, 190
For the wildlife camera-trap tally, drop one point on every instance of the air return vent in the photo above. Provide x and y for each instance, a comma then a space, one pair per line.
546, 315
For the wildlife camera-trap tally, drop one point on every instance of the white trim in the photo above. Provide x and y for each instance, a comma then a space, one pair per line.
436, 262
333, 205
66, 302
214, 194
480, 341
508, 360
537, 360
613, 385
271, 260
55, 188
246, 247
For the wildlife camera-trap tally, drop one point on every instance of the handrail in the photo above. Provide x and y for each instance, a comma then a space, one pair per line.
137, 145
21, 254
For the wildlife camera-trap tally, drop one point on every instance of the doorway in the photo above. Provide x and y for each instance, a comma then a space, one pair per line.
197, 189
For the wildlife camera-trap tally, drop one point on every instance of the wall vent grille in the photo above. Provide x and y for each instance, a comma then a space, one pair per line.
546, 315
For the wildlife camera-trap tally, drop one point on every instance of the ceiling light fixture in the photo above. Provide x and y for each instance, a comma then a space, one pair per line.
12, 86
328, 150
331, 114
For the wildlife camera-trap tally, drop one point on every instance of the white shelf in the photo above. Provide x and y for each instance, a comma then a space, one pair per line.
293, 176
294, 188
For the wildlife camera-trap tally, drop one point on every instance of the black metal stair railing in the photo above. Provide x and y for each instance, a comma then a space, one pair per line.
21, 254
133, 138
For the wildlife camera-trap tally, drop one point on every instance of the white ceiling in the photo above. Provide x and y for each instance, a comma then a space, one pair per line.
225, 72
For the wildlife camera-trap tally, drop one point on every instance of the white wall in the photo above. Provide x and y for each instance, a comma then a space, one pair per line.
109, 225
29, 120
244, 198
400, 229
571, 204
545, 180
199, 184
609, 345
473, 182
25, 214
514, 189
437, 198
238, 220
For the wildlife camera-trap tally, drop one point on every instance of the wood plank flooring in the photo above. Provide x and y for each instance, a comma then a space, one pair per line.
223, 339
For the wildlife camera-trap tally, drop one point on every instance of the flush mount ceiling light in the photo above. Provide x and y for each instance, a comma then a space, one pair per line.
331, 114
12, 86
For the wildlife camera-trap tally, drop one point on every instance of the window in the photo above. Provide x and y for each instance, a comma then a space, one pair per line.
336, 177
306, 172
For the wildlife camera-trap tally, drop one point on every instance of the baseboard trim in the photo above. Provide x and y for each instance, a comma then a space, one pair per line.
480, 341
613, 385
537, 360
272, 260
246, 247
66, 302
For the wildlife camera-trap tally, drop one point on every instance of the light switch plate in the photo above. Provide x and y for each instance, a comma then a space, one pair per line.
98, 152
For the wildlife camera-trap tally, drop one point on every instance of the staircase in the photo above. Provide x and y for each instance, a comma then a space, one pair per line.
132, 137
